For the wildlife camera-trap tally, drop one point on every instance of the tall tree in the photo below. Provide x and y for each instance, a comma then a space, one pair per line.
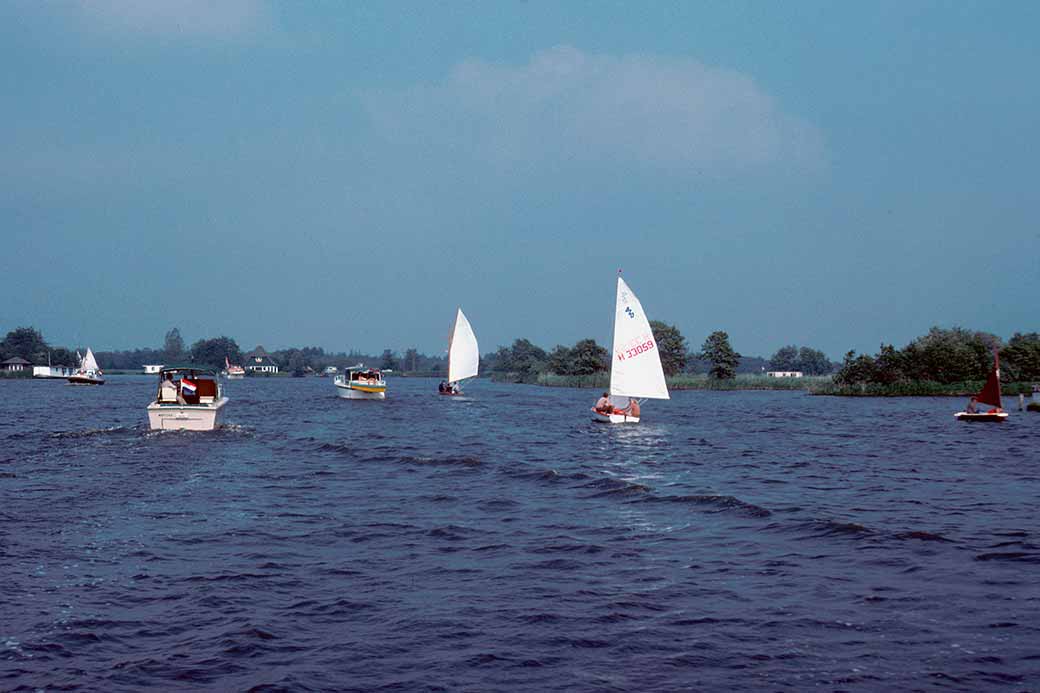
389, 361
1021, 357
411, 360
813, 362
173, 346
587, 358
25, 342
560, 361
671, 346
720, 354
785, 359
212, 352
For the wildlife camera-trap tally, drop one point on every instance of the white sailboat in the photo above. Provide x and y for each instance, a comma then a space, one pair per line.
635, 365
88, 372
463, 355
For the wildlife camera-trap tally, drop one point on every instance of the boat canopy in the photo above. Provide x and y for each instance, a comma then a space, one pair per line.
192, 370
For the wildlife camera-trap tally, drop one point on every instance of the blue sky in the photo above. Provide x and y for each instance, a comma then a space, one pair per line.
346, 174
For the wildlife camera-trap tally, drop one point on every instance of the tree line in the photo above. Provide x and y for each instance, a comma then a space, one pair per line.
944, 356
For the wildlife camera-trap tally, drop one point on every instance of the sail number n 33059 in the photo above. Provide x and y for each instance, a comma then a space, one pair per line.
636, 350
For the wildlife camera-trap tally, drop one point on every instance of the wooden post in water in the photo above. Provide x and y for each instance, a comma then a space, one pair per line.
1021, 402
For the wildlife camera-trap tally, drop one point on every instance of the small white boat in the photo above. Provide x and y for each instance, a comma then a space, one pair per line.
463, 355
88, 372
361, 383
188, 399
233, 372
990, 394
635, 367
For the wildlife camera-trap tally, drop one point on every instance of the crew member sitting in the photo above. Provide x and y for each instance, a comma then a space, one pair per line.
631, 410
603, 405
972, 407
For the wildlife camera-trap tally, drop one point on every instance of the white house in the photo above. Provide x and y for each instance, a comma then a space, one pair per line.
152, 368
15, 364
259, 361
784, 374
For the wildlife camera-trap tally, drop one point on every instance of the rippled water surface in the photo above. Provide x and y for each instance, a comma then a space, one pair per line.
503, 541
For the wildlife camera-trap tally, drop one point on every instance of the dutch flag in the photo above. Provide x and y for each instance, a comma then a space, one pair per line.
187, 387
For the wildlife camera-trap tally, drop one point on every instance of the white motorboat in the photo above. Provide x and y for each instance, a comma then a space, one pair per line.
233, 372
360, 383
188, 399
635, 366
88, 372
463, 355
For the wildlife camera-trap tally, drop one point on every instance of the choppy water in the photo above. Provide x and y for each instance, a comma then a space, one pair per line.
505, 542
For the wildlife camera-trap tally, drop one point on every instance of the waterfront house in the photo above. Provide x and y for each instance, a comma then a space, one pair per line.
15, 364
259, 361
152, 368
784, 374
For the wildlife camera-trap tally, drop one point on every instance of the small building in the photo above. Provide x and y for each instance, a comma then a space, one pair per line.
259, 361
52, 371
784, 374
15, 364
152, 368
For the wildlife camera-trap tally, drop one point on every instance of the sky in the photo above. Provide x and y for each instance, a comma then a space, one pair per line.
344, 175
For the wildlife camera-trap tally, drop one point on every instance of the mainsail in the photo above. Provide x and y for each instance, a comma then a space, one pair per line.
463, 352
990, 393
636, 362
89, 363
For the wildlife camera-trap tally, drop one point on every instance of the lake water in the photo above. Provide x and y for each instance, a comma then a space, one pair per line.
503, 541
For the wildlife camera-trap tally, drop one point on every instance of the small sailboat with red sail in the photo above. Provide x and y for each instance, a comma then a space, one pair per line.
990, 394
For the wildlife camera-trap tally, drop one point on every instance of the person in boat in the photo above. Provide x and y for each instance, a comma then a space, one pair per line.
973, 406
603, 405
453, 388
631, 410
442, 387
168, 389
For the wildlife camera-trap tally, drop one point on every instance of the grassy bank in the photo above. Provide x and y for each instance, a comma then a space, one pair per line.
921, 388
691, 381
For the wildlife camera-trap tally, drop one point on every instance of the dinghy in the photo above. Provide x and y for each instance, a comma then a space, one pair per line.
88, 372
989, 394
463, 355
635, 366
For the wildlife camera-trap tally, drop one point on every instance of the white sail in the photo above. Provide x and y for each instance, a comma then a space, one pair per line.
89, 363
636, 362
463, 352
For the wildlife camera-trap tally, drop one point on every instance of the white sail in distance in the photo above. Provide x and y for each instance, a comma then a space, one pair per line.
89, 363
636, 360
463, 352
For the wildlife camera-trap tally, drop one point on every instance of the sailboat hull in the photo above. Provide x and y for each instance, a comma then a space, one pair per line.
85, 380
613, 418
981, 416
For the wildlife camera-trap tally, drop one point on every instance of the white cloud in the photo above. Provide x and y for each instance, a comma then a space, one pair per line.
178, 18
568, 105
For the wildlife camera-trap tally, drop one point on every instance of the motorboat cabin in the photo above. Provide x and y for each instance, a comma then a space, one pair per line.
361, 383
188, 398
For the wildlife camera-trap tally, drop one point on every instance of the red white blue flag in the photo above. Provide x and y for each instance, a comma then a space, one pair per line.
187, 387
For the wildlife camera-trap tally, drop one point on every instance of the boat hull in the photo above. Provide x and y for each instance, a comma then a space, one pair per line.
348, 392
991, 417
613, 418
85, 380
185, 417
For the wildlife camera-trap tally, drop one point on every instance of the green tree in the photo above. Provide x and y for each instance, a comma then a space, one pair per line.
1020, 359
173, 346
26, 343
717, 351
411, 360
813, 362
785, 359
587, 357
856, 370
888, 366
389, 361
671, 346
560, 361
212, 352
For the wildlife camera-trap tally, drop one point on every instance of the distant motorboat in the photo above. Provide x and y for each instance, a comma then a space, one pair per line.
188, 399
233, 372
88, 372
361, 383
635, 366
463, 355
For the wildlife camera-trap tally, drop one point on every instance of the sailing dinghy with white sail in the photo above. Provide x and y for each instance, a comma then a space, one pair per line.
463, 355
635, 366
88, 373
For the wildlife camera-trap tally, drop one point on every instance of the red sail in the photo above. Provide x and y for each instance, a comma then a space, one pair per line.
990, 393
